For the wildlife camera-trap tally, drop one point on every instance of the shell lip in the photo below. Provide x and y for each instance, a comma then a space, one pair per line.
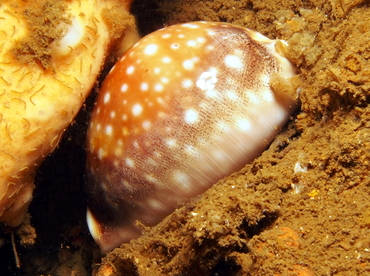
108, 237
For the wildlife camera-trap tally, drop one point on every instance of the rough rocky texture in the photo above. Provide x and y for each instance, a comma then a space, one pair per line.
302, 207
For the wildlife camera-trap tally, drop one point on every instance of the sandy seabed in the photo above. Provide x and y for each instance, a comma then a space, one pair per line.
301, 208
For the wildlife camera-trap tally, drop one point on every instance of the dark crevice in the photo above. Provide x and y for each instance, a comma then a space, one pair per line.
148, 16
256, 229
226, 267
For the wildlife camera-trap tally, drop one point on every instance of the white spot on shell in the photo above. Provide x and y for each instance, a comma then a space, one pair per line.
164, 80
144, 86
190, 25
191, 116
161, 115
171, 143
223, 126
151, 161
201, 39
106, 97
124, 87
150, 49
130, 70
191, 43
211, 93
232, 96
253, 99
130, 163
101, 153
109, 130
126, 184
187, 83
191, 151
244, 124
151, 178
267, 96
146, 125
155, 204
210, 48
160, 101
158, 87
182, 179
235, 62
207, 80
117, 152
219, 155
137, 109
189, 64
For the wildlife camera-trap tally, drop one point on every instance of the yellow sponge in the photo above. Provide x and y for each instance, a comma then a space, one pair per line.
51, 53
